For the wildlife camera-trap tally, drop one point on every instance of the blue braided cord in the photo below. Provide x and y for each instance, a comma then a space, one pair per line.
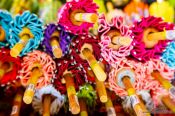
168, 55
35, 25
5, 19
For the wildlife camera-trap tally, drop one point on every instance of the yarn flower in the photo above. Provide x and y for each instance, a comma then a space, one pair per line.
137, 81
69, 78
168, 55
5, 19
82, 49
41, 60
66, 15
64, 39
57, 100
9, 67
63, 65
145, 49
87, 92
108, 31
26, 34
156, 85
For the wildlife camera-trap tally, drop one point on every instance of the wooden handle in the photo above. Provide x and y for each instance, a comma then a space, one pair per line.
46, 105
98, 71
156, 36
138, 106
168, 103
25, 35
17, 48
2, 34
83, 108
30, 90
56, 49
151, 37
110, 108
164, 82
17, 104
101, 90
4, 68
86, 17
122, 41
71, 93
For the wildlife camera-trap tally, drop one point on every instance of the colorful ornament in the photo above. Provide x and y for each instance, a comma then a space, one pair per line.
47, 101
168, 56
37, 71
69, 78
26, 33
86, 51
9, 67
56, 40
146, 46
5, 19
87, 96
115, 39
78, 16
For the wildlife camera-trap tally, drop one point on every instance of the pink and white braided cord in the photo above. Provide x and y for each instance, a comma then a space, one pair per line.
154, 85
109, 54
48, 68
139, 76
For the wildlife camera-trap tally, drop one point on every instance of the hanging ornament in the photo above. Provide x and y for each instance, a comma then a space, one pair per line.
78, 16
150, 38
69, 78
168, 55
47, 101
87, 52
37, 71
56, 40
87, 99
9, 67
26, 34
115, 39
5, 19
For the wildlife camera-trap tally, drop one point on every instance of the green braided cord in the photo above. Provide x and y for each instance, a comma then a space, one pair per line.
88, 93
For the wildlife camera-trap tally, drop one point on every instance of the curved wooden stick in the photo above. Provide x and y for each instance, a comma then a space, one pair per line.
101, 90
138, 106
30, 90
167, 85
86, 17
110, 108
17, 103
71, 93
46, 105
97, 69
122, 41
25, 35
56, 49
83, 108
168, 103
79, 16
2, 34
100, 87
117, 40
151, 37
164, 82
